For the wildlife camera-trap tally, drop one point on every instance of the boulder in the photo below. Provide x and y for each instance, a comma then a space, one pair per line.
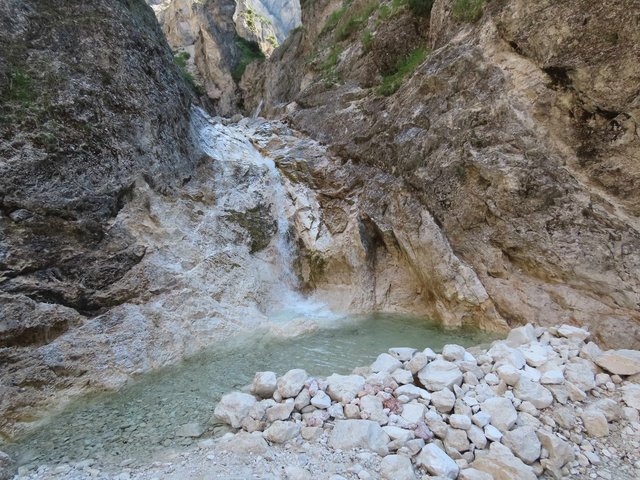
374, 408
481, 418
503, 465
437, 462
509, 374
404, 354
560, 451
281, 411
453, 353
402, 376
413, 412
443, 400
463, 422
246, 443
396, 467
234, 407
527, 390
456, 440
620, 362
397, 433
385, 363
344, 388
473, 474
492, 433
503, 354
412, 392
581, 373
502, 412
290, 384
417, 363
574, 334
631, 395
439, 375
477, 437
264, 384
349, 434
281, 432
321, 400
524, 443
535, 355
552, 377
595, 423
521, 335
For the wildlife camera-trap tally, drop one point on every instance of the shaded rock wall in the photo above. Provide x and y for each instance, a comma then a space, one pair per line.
91, 102
517, 134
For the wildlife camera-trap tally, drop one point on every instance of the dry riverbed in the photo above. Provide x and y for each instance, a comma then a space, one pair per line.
544, 403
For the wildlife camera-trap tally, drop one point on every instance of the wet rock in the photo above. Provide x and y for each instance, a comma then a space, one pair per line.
190, 430
396, 467
264, 384
291, 383
344, 388
502, 412
620, 362
439, 375
437, 462
234, 407
281, 432
8, 467
348, 434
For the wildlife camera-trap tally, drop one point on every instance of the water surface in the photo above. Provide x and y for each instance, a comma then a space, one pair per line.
141, 419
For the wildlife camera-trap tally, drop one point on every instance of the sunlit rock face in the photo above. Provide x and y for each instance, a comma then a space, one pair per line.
516, 134
212, 37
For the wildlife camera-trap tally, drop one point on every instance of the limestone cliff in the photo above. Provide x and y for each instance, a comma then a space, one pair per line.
218, 38
91, 102
512, 128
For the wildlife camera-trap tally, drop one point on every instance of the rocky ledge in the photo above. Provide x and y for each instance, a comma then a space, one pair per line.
542, 403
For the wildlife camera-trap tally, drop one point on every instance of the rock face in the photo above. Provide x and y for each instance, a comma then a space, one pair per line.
79, 127
216, 38
510, 145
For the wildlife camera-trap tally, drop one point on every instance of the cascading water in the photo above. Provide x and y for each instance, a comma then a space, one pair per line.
230, 147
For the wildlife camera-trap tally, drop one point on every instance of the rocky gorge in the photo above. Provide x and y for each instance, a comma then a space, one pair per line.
171, 182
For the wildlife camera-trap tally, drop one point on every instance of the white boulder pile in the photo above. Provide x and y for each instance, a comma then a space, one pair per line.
540, 404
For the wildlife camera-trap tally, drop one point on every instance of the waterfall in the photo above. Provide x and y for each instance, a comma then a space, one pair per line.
231, 148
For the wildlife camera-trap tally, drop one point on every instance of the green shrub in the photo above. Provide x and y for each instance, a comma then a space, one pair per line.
20, 86
392, 82
467, 10
367, 39
249, 51
333, 19
356, 20
421, 7
181, 59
